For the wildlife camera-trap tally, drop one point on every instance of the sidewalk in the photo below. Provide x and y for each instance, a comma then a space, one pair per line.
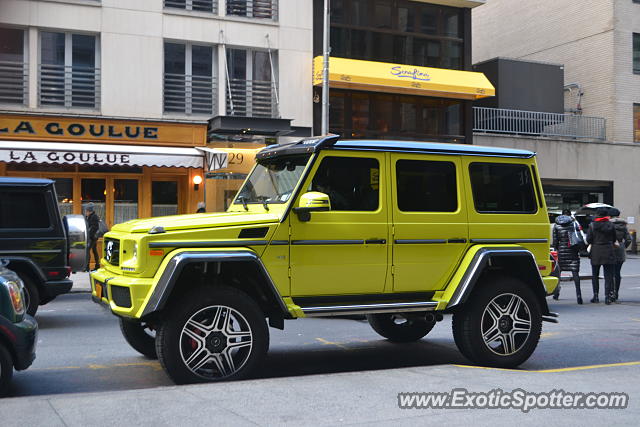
80, 282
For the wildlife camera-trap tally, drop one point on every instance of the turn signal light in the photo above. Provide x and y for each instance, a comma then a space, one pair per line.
156, 252
16, 297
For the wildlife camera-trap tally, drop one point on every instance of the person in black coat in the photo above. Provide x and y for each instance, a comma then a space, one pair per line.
93, 225
568, 257
601, 235
624, 240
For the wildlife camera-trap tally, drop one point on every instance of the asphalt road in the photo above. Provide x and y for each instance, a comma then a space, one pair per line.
81, 350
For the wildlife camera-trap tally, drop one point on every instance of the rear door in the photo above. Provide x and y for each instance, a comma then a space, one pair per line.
429, 220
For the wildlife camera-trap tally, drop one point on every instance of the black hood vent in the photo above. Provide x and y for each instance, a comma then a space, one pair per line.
253, 233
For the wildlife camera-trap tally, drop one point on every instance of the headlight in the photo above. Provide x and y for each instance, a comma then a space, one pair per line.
15, 294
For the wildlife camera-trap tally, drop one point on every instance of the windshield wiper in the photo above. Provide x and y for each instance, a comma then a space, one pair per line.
264, 199
243, 200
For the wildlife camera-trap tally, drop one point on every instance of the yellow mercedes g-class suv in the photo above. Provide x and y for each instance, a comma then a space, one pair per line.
402, 232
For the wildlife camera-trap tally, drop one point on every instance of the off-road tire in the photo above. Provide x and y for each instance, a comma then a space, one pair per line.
407, 330
32, 295
175, 342
6, 370
468, 323
137, 336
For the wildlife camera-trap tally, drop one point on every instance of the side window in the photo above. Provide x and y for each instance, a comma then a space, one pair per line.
426, 186
502, 188
352, 184
23, 210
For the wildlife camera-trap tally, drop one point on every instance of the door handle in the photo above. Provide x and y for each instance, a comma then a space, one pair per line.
375, 241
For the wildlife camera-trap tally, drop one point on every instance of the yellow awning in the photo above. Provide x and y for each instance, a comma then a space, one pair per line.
407, 79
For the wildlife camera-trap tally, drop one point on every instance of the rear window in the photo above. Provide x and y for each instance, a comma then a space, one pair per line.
502, 188
23, 210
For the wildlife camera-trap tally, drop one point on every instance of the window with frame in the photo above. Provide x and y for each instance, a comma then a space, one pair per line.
14, 70
398, 31
69, 70
261, 9
352, 183
23, 210
502, 188
194, 5
252, 90
636, 53
189, 82
426, 186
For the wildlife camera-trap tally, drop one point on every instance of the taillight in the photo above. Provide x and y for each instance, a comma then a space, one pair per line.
15, 294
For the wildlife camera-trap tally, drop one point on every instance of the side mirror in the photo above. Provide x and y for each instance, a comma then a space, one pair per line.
312, 202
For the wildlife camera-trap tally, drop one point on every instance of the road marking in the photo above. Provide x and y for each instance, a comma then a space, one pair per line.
548, 334
547, 371
151, 364
323, 341
637, 320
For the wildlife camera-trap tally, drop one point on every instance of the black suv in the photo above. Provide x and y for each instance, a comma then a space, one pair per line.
40, 246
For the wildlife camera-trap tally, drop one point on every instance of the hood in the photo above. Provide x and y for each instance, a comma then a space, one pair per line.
619, 221
187, 222
602, 225
564, 220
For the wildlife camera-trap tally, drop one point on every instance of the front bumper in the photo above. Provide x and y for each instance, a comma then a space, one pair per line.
125, 296
22, 336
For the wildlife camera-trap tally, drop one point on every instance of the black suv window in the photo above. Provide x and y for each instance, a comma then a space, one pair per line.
24, 209
426, 186
352, 184
502, 188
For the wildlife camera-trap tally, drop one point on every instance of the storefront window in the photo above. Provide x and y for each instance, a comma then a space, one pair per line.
64, 191
94, 191
164, 198
125, 207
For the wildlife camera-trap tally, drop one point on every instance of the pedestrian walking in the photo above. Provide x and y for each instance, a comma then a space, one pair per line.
568, 256
93, 226
624, 240
601, 235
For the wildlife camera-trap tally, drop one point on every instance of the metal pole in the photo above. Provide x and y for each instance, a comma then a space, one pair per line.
325, 71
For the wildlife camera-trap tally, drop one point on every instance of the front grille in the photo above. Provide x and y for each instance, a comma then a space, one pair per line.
121, 296
112, 251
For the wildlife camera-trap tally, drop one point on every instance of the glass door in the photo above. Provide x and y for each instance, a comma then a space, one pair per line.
125, 200
164, 198
94, 190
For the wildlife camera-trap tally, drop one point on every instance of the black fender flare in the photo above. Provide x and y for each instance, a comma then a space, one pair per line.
517, 260
178, 262
30, 265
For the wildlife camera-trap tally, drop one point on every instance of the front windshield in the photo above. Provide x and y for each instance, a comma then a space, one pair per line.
273, 180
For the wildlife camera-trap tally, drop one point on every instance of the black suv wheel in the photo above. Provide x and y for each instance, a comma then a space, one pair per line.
140, 337
212, 334
500, 323
406, 327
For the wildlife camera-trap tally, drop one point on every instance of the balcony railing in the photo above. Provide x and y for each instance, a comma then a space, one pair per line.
69, 86
195, 5
500, 120
263, 9
251, 98
187, 94
14, 82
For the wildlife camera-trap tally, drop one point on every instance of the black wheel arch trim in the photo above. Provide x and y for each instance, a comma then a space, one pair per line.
177, 263
481, 261
33, 267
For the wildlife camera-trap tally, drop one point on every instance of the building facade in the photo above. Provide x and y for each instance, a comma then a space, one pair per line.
399, 69
179, 89
597, 43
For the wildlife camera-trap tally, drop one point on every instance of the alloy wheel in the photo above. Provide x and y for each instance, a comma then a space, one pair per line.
216, 342
506, 324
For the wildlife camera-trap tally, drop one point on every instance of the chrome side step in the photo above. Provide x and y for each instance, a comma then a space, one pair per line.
341, 310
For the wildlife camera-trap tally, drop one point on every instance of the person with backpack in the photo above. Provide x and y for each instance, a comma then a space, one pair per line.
566, 241
93, 228
624, 240
601, 235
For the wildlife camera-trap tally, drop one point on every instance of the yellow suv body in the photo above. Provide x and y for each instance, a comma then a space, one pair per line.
402, 232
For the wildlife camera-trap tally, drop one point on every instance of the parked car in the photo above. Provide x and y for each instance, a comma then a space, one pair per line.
18, 330
41, 247
400, 231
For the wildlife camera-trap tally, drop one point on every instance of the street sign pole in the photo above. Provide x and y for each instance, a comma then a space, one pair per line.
325, 70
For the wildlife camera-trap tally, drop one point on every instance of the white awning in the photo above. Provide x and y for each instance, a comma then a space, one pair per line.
102, 154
